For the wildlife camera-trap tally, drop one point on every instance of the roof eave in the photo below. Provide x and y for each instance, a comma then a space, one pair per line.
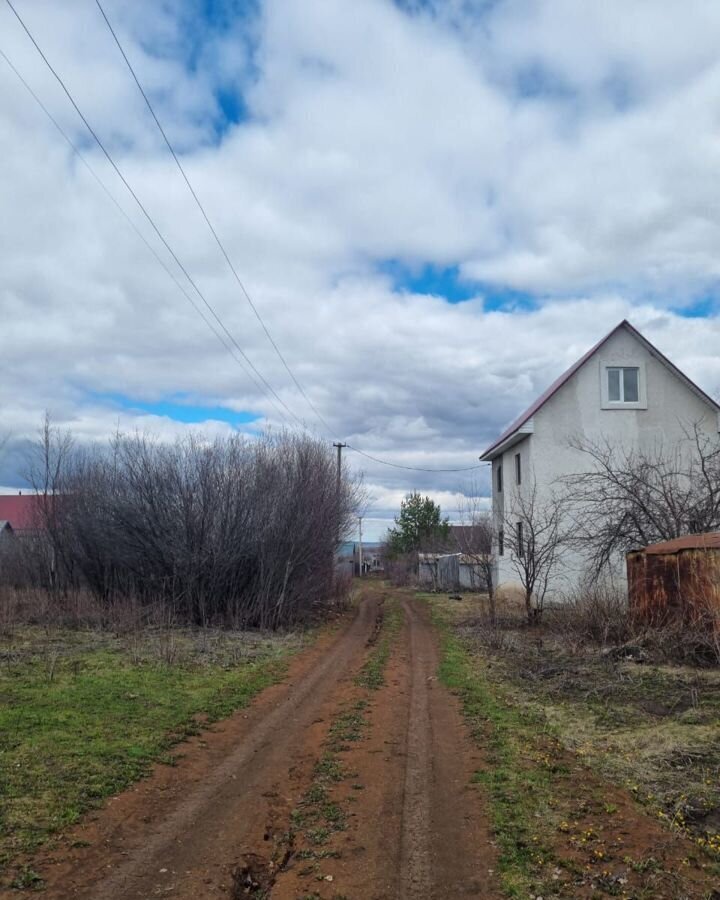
518, 435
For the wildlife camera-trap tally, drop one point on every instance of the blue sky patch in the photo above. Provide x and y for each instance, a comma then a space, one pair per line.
437, 281
700, 308
448, 283
177, 408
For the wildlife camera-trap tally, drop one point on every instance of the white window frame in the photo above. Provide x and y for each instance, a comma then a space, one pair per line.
606, 402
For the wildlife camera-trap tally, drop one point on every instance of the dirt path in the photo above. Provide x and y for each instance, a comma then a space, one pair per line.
184, 832
220, 822
417, 829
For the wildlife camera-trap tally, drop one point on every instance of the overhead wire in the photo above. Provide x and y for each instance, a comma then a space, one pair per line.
130, 222
267, 386
395, 465
210, 225
233, 269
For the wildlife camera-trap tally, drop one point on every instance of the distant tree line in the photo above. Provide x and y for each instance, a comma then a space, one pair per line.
233, 530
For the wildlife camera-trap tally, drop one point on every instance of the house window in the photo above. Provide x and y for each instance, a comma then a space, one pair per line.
499, 478
501, 543
623, 384
520, 542
518, 469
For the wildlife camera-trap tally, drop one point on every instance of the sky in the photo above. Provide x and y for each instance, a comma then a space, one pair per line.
436, 207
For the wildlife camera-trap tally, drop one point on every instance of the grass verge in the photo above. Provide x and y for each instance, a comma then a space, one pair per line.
517, 792
561, 830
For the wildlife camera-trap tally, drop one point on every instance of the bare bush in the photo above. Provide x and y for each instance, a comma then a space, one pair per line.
235, 530
629, 498
596, 615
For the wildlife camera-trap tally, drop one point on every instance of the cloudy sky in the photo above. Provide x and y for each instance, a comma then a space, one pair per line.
435, 207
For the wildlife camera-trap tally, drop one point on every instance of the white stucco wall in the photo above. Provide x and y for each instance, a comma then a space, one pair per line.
577, 409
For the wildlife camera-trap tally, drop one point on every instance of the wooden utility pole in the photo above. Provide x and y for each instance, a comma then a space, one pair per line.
338, 487
339, 469
360, 518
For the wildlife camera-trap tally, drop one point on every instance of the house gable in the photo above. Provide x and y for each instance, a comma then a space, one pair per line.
623, 348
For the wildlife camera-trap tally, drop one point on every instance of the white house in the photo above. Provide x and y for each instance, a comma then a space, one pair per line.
623, 390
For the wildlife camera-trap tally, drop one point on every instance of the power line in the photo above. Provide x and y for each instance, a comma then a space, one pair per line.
230, 263
209, 223
386, 462
147, 215
130, 222
235, 344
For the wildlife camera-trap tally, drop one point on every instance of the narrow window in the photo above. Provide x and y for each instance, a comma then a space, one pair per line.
631, 391
501, 543
623, 384
614, 385
499, 478
518, 469
520, 542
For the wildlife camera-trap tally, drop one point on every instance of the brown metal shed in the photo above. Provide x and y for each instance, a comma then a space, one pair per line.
677, 580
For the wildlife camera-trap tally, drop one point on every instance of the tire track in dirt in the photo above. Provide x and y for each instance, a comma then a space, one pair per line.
415, 861
190, 844
416, 828
447, 848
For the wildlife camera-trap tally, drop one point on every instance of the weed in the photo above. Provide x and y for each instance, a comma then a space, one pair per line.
319, 835
26, 879
329, 768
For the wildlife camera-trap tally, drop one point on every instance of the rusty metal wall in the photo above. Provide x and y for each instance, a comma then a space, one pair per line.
682, 586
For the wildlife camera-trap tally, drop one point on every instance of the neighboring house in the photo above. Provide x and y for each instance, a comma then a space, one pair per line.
623, 390
372, 561
347, 558
450, 572
24, 512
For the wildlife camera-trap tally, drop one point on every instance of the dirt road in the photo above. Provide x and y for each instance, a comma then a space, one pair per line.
224, 821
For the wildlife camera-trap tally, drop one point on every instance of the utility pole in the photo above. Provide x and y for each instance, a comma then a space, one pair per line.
339, 468
339, 446
360, 518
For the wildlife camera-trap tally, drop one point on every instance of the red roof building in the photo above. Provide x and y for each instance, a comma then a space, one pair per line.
22, 511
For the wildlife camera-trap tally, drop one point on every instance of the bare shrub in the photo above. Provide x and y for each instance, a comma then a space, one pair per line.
597, 615
401, 570
235, 531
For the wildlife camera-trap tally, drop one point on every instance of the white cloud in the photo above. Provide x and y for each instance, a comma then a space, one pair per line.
568, 149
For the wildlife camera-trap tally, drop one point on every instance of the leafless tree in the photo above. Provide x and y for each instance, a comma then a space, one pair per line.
475, 542
628, 498
534, 534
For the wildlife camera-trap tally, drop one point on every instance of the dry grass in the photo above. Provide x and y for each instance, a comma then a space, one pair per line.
649, 725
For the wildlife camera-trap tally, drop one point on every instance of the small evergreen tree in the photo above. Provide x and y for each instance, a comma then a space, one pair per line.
420, 524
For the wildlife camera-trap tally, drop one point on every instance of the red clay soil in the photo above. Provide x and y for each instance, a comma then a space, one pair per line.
221, 823
417, 828
217, 823
184, 831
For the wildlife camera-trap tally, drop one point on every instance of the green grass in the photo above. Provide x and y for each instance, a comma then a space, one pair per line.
88, 726
372, 673
517, 792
